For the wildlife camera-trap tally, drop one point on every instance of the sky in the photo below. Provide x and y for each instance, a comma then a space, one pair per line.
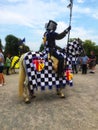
27, 18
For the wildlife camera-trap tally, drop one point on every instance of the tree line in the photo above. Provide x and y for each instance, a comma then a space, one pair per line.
88, 46
16, 46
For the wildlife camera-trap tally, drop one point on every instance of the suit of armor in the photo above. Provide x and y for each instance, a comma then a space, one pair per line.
50, 36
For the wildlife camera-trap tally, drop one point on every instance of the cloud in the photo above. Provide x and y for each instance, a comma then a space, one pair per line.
84, 34
79, 32
80, 1
33, 14
14, 1
85, 11
9, 17
30, 12
81, 10
34, 46
95, 15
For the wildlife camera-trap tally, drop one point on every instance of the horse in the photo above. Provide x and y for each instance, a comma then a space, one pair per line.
38, 70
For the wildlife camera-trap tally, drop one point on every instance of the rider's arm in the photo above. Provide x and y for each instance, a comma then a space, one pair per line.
60, 35
63, 34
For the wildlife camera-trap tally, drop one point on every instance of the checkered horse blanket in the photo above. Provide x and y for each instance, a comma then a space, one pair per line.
40, 70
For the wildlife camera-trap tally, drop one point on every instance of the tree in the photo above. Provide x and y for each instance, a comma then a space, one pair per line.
41, 47
96, 52
1, 46
15, 46
88, 46
72, 39
11, 45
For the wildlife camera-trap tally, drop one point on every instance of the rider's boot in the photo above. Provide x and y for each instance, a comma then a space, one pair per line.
60, 70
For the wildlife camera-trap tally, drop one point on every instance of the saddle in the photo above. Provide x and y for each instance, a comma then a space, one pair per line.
58, 65
55, 62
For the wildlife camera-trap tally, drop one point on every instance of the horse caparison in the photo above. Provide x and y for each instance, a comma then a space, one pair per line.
37, 71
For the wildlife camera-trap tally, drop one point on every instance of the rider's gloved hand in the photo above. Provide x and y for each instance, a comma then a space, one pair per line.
67, 29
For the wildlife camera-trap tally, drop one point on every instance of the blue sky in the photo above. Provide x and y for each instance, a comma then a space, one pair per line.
26, 18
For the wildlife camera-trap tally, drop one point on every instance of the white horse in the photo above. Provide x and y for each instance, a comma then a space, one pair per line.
38, 70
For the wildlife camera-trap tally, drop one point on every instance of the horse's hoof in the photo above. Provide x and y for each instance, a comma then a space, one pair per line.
33, 96
27, 100
62, 95
58, 93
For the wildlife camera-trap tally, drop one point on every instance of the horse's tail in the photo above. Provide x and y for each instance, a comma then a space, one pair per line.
21, 76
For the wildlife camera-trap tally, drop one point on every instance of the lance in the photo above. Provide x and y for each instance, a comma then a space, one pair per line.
70, 6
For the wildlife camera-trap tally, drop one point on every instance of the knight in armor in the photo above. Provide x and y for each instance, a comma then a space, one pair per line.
50, 37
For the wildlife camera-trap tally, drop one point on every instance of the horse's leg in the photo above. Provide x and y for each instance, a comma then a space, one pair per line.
60, 92
23, 89
26, 93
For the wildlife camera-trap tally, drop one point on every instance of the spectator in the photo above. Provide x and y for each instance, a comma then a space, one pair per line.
79, 63
8, 64
92, 62
74, 65
84, 63
2, 80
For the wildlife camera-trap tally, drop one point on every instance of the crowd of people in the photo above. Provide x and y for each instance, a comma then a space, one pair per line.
5, 66
85, 64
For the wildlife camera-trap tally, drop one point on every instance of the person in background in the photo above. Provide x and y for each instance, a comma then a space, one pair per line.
74, 65
84, 62
2, 79
79, 63
92, 62
8, 64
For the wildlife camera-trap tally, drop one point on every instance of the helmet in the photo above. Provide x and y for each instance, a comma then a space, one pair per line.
52, 25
